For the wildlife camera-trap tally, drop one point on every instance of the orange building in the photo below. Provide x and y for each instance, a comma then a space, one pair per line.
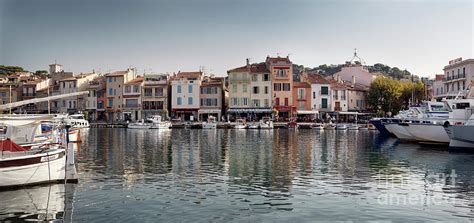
281, 70
302, 100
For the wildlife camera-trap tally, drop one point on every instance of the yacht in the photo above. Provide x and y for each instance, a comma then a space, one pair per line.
139, 125
253, 125
158, 123
210, 124
266, 123
77, 121
462, 136
397, 127
240, 124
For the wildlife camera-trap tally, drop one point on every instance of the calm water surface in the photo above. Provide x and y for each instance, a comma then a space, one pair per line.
272, 175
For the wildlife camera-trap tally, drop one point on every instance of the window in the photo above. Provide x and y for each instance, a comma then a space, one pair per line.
314, 95
131, 103
136, 89
463, 70
128, 89
281, 73
301, 94
178, 88
324, 103
256, 103
277, 101
254, 77
115, 92
70, 104
245, 101
266, 89
244, 76
255, 90
74, 104
286, 101
109, 79
266, 103
286, 87
159, 91
111, 91
459, 87
301, 105
277, 87
190, 100
190, 89
234, 88
336, 96
463, 85
343, 95
266, 77
111, 102
234, 101
178, 102
148, 92
324, 90
244, 88
64, 84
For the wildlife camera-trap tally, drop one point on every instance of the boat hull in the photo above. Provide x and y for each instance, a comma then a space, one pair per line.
428, 133
379, 125
462, 137
399, 131
161, 125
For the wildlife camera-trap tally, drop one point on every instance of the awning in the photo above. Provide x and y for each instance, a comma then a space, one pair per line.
250, 110
211, 111
304, 112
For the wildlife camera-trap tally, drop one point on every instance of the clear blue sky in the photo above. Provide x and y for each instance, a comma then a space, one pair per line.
172, 35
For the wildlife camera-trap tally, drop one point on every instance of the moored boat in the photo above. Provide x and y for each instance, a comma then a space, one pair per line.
266, 123
240, 124
462, 136
139, 125
210, 124
318, 126
341, 127
157, 122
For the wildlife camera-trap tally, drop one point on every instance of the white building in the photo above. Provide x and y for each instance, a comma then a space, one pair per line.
359, 72
320, 93
74, 84
458, 78
185, 95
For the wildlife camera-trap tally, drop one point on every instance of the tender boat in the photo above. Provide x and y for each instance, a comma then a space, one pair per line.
139, 125
158, 123
371, 127
341, 127
210, 124
240, 124
266, 123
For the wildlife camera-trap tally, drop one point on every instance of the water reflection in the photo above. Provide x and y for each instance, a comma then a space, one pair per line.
256, 175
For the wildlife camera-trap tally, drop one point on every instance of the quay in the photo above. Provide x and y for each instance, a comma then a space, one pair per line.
198, 125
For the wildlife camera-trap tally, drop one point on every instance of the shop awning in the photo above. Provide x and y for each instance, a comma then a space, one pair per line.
209, 111
250, 110
304, 112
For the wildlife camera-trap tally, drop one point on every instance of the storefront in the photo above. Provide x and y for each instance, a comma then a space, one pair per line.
284, 112
307, 116
185, 115
250, 114
205, 113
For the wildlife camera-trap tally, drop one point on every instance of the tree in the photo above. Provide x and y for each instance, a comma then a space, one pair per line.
43, 74
384, 94
7, 70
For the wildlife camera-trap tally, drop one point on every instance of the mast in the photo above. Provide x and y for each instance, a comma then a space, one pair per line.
10, 97
49, 105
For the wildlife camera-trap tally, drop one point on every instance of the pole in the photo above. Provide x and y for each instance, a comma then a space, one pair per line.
10, 98
49, 104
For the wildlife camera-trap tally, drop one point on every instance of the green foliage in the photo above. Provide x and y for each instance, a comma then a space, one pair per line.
389, 95
7, 70
43, 74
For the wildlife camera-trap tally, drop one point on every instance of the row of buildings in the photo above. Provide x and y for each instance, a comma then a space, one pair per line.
457, 81
252, 91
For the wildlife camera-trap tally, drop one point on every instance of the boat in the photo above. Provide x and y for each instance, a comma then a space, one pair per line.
253, 126
74, 135
341, 127
462, 136
371, 127
266, 123
210, 124
318, 126
379, 124
353, 127
240, 124
363, 127
76, 121
396, 127
330, 126
158, 123
139, 125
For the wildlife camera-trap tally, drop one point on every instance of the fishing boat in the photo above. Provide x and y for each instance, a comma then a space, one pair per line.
266, 123
210, 124
158, 123
318, 126
341, 127
240, 124
139, 125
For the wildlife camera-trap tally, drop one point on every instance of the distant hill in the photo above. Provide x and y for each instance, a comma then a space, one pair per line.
327, 70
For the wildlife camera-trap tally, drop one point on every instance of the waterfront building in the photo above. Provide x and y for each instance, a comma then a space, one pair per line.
114, 93
185, 95
95, 101
211, 97
357, 71
321, 100
339, 95
57, 73
356, 96
132, 100
29, 92
250, 91
155, 95
8, 95
438, 87
302, 101
44, 89
74, 84
458, 79
281, 70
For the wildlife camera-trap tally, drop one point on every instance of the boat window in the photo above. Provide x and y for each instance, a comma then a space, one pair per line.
438, 108
462, 105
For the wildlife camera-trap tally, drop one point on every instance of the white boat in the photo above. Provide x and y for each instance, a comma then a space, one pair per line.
353, 127
210, 124
266, 123
397, 127
158, 123
76, 121
363, 127
253, 126
341, 127
74, 135
318, 126
427, 131
139, 125
240, 124
330, 126
462, 136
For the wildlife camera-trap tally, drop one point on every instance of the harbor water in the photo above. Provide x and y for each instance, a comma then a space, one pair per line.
198, 175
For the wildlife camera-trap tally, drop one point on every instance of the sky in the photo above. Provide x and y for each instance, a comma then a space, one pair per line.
183, 35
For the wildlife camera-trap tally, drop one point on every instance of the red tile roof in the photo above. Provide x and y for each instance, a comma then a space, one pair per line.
116, 73
278, 59
259, 68
135, 81
336, 85
439, 77
301, 85
196, 74
317, 79
238, 69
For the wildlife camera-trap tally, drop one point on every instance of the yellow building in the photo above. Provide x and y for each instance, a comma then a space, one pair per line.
281, 70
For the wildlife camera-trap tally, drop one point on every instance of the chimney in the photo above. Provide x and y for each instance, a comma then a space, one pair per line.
248, 62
